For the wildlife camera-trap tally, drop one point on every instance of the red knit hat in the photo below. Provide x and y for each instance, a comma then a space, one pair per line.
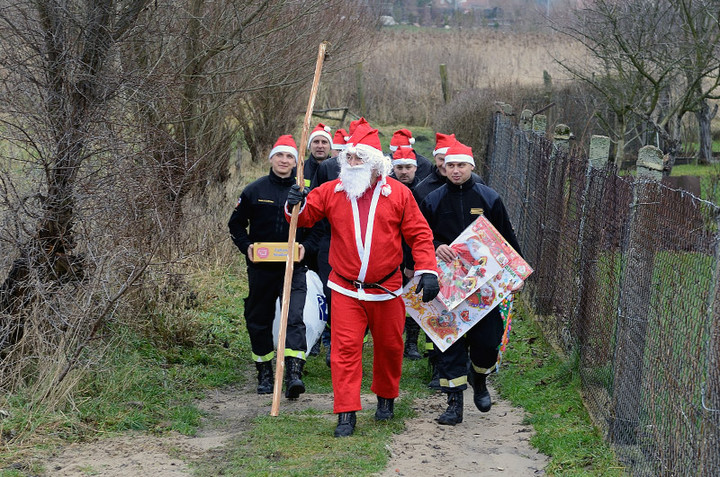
404, 155
443, 142
285, 143
364, 135
320, 130
340, 139
401, 138
459, 152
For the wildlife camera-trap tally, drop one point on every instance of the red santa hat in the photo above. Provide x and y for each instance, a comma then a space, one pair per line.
404, 155
285, 143
365, 142
459, 152
443, 142
354, 125
340, 139
402, 138
320, 130
364, 135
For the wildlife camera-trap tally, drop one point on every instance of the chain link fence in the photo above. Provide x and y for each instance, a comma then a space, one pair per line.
626, 282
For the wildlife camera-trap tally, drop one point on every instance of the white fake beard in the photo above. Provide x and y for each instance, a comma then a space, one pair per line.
355, 179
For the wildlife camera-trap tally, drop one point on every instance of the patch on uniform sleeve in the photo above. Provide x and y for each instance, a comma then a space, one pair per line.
238, 202
476, 211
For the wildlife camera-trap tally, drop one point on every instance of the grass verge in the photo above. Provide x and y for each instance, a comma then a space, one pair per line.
535, 378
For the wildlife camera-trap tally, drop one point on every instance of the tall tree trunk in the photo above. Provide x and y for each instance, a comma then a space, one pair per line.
704, 117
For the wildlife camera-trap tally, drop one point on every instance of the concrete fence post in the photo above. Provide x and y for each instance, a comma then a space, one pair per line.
635, 295
539, 124
526, 117
599, 151
553, 214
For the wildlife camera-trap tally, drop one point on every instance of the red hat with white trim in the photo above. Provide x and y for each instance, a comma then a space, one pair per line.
401, 138
320, 130
340, 139
404, 155
285, 143
364, 135
443, 142
459, 152
354, 125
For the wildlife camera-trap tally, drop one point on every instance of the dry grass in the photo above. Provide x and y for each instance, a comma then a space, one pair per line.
402, 80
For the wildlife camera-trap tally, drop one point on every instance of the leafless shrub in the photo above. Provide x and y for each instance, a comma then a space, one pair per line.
469, 114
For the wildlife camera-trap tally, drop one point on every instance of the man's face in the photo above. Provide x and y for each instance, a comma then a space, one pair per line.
320, 147
440, 164
405, 173
458, 172
282, 163
356, 175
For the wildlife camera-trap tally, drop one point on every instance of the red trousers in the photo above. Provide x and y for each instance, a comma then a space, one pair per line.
386, 320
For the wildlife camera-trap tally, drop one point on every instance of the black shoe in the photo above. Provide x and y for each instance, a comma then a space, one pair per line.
294, 386
481, 395
265, 377
412, 330
384, 409
454, 413
315, 349
411, 351
346, 424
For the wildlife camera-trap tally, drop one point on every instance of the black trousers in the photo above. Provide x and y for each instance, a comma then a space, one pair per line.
265, 286
481, 341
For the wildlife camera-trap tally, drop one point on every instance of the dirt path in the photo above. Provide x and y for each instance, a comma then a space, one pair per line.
495, 443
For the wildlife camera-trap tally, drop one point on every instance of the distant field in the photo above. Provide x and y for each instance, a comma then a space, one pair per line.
401, 78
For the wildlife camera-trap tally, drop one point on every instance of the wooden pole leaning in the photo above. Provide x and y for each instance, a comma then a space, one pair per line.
290, 262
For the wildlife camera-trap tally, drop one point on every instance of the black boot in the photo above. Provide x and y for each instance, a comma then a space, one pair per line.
346, 424
454, 413
384, 409
435, 379
481, 395
412, 330
265, 377
294, 386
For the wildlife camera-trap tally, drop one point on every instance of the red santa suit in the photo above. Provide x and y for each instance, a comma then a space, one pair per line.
366, 251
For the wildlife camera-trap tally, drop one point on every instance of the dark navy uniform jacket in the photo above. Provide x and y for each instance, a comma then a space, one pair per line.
451, 208
433, 181
259, 216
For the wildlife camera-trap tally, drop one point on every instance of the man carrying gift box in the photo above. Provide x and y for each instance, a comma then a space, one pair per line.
449, 210
369, 215
259, 217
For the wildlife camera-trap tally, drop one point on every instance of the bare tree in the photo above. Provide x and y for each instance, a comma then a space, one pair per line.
56, 56
652, 60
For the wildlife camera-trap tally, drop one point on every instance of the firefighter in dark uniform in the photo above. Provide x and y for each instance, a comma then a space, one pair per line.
403, 139
259, 216
404, 164
436, 178
449, 210
320, 146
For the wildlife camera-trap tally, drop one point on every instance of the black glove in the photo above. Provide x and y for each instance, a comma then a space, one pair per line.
429, 286
296, 195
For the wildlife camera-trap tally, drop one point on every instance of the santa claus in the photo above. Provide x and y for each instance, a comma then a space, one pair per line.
369, 214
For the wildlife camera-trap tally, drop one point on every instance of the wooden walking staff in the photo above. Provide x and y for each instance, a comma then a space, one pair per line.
290, 262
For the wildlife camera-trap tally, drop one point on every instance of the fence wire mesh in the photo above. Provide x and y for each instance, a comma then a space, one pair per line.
626, 280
